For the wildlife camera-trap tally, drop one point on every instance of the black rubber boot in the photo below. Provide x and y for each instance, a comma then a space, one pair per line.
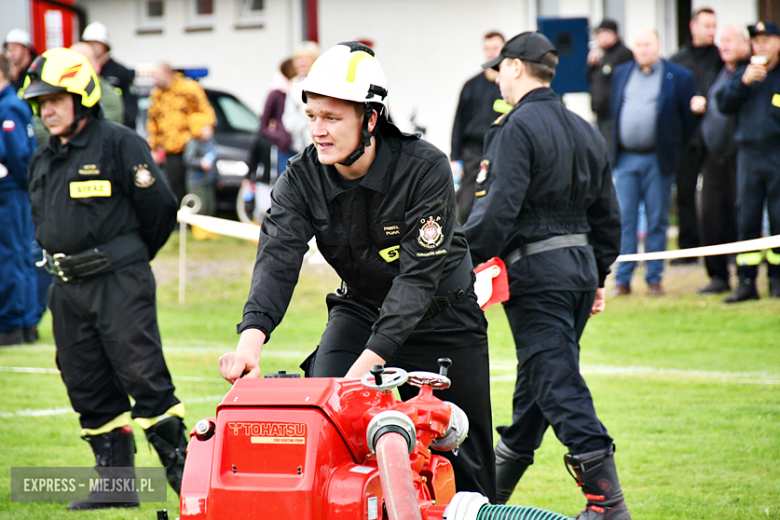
745, 291
510, 467
774, 286
170, 442
596, 475
115, 449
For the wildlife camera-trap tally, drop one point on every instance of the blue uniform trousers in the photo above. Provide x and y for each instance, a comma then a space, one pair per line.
17, 282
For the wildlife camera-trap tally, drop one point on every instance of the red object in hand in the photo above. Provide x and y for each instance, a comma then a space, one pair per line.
492, 285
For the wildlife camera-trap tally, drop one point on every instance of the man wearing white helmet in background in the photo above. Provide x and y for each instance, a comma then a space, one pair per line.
382, 207
19, 48
96, 34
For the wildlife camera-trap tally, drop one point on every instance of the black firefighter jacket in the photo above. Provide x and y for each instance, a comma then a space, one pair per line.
546, 173
392, 237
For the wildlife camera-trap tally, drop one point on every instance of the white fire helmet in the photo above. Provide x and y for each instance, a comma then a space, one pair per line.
96, 32
348, 71
18, 36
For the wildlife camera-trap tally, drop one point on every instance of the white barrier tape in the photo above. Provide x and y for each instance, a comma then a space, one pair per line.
221, 226
746, 246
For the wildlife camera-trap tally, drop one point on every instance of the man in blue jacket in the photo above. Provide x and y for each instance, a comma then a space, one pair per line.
752, 94
651, 107
17, 282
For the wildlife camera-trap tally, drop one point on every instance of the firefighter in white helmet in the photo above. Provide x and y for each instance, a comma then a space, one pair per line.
382, 207
19, 48
96, 34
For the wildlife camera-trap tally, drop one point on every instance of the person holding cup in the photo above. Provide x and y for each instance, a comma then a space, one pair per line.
753, 94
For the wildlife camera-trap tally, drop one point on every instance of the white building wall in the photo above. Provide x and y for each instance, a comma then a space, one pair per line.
240, 61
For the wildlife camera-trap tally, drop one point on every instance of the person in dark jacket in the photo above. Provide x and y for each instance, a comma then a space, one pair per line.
19, 312
752, 94
700, 55
546, 205
610, 53
651, 99
472, 119
382, 207
102, 209
718, 224
18, 45
96, 34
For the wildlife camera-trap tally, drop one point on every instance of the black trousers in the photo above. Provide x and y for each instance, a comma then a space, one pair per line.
472, 157
686, 177
718, 224
458, 332
109, 347
176, 173
550, 391
758, 183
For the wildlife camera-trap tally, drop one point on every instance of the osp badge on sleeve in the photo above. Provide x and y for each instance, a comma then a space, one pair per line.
143, 177
430, 233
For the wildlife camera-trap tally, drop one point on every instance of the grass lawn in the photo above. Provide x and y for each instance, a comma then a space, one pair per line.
689, 389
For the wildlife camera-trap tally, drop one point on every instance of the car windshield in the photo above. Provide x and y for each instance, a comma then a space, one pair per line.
234, 114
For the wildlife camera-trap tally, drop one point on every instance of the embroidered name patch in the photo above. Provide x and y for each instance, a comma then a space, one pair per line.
390, 254
430, 233
86, 189
89, 169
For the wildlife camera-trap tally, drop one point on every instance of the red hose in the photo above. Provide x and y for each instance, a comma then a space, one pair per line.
395, 474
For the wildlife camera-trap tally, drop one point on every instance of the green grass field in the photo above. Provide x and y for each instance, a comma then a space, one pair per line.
689, 389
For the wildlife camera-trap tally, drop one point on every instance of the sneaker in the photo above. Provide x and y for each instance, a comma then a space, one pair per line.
594, 512
31, 334
716, 286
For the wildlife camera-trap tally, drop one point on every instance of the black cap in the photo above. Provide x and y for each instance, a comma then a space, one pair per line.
764, 27
527, 46
607, 25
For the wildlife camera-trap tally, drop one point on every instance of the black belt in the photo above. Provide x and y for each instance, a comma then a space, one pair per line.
104, 258
534, 248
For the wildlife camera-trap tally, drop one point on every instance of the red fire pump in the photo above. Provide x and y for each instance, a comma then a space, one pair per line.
285, 448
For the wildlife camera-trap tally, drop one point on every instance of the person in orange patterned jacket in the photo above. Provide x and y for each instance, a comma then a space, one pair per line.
173, 101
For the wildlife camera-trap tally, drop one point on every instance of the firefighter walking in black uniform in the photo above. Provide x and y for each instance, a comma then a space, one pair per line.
102, 210
382, 207
545, 203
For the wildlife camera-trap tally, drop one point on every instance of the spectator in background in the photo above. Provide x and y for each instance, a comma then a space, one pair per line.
294, 118
700, 55
18, 304
650, 103
718, 223
608, 54
173, 101
110, 100
752, 94
271, 126
18, 45
96, 34
473, 118
200, 160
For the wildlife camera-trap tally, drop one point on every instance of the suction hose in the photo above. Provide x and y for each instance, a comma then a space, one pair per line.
395, 474
473, 506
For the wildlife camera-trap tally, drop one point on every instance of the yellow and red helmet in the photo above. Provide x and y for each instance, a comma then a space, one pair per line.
61, 70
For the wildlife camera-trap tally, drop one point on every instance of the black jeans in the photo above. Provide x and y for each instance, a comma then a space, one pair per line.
550, 391
109, 347
458, 332
718, 223
686, 177
176, 173
472, 158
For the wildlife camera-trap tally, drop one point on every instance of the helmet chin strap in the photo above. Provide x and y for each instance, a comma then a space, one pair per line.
360, 150
79, 113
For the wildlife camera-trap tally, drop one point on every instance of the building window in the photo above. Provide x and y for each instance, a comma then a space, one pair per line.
152, 16
251, 14
155, 8
200, 16
204, 7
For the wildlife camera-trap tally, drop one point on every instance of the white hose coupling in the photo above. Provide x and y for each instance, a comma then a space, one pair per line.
456, 433
465, 506
391, 421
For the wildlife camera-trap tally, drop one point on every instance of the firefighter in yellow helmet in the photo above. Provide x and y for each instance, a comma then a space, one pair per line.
102, 210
